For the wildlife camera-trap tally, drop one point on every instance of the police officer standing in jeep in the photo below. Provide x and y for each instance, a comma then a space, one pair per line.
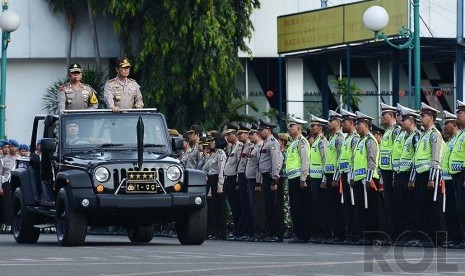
76, 95
122, 92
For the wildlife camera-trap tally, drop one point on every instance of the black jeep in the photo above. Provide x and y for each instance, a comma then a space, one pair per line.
98, 168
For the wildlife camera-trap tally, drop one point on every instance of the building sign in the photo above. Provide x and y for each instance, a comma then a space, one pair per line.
336, 25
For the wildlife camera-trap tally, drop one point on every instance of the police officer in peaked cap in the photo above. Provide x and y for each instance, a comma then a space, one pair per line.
122, 92
75, 94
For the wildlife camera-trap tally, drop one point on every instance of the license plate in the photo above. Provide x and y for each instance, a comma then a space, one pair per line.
141, 181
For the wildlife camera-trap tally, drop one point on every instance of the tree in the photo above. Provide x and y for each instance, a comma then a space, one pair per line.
354, 92
70, 8
186, 53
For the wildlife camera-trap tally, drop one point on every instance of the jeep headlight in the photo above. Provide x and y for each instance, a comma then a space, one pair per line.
173, 173
102, 174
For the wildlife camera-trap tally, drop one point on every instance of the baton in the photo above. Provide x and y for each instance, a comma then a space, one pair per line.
443, 184
436, 184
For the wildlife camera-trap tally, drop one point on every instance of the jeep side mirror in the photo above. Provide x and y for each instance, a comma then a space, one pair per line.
176, 143
48, 144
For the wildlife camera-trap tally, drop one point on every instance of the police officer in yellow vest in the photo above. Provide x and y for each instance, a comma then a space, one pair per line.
453, 220
346, 165
318, 182
457, 168
363, 178
331, 169
427, 176
391, 193
297, 171
409, 202
75, 94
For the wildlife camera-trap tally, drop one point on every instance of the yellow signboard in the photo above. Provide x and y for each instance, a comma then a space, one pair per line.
336, 25
311, 29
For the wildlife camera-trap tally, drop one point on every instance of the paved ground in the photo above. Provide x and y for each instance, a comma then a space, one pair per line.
115, 255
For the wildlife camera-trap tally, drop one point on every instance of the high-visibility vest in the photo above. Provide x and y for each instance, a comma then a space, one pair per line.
361, 158
293, 158
397, 150
316, 166
346, 161
331, 161
457, 154
446, 157
423, 154
385, 149
407, 154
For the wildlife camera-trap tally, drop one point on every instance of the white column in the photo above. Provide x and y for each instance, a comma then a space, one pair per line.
295, 86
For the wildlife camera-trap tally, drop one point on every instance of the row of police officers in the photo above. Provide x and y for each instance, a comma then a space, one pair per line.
406, 188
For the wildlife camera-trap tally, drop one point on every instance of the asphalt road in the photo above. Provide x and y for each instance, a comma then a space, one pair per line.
115, 255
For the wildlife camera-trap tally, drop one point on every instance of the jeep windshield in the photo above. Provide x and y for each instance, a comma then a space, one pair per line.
99, 131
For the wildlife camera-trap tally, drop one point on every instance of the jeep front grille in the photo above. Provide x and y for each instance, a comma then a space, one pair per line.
119, 174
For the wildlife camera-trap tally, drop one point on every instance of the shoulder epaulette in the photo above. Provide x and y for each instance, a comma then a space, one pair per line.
133, 80
112, 80
62, 87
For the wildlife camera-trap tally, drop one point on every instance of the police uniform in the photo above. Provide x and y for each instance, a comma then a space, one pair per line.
269, 165
246, 227
297, 171
75, 98
427, 163
255, 188
8, 163
319, 214
454, 222
214, 168
456, 166
231, 185
123, 94
365, 178
391, 194
346, 165
333, 191
192, 157
407, 141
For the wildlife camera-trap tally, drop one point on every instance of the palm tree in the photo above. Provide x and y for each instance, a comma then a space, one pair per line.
233, 114
70, 8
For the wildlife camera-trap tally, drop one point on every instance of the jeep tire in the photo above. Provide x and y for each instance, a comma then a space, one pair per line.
192, 229
140, 233
71, 225
23, 221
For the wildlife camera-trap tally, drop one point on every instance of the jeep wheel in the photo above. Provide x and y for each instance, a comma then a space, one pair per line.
192, 229
71, 225
23, 221
141, 234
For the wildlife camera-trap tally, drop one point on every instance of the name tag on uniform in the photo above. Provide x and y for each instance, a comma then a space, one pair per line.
264, 151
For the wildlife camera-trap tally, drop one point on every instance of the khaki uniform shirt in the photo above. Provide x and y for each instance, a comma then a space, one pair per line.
192, 157
123, 94
82, 97
251, 168
271, 159
216, 165
232, 159
247, 147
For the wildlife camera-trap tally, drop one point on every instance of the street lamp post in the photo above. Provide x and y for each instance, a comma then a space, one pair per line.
9, 22
376, 18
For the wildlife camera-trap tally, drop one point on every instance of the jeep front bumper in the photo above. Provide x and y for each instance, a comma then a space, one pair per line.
85, 201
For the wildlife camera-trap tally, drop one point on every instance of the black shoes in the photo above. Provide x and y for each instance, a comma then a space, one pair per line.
297, 240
